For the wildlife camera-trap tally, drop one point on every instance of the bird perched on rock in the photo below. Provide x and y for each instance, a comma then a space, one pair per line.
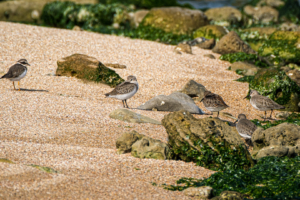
245, 128
213, 102
125, 90
17, 72
263, 103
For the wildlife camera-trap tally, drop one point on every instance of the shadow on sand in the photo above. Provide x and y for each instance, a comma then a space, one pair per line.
32, 90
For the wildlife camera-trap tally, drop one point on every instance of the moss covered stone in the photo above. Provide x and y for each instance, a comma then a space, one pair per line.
224, 14
175, 20
209, 142
210, 31
278, 86
87, 68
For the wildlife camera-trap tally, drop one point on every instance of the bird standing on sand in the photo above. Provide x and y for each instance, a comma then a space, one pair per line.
245, 128
17, 72
263, 103
125, 90
213, 102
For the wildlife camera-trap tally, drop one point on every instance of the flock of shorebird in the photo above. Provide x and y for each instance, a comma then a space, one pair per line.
211, 101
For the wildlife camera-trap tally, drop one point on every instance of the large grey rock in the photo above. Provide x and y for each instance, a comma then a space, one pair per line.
247, 69
264, 14
174, 102
126, 140
281, 140
131, 117
203, 192
228, 14
193, 89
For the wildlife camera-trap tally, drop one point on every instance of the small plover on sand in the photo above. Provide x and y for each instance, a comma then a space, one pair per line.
213, 102
245, 128
263, 103
125, 90
17, 72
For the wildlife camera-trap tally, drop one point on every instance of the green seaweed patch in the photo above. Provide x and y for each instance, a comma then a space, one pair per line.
271, 178
5, 160
219, 156
45, 169
245, 79
107, 76
241, 56
293, 118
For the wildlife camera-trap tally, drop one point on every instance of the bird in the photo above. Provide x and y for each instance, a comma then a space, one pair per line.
125, 90
213, 102
263, 103
17, 72
245, 128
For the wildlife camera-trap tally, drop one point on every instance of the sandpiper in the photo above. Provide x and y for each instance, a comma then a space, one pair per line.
125, 90
213, 102
17, 72
245, 128
263, 103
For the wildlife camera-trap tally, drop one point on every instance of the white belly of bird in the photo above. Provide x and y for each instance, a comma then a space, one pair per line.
245, 135
19, 77
214, 109
124, 96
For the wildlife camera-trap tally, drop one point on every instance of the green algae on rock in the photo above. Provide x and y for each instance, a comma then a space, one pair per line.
87, 68
210, 32
144, 3
5, 160
208, 142
45, 169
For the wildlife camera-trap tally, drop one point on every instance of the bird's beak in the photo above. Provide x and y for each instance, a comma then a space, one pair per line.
28, 64
247, 96
235, 121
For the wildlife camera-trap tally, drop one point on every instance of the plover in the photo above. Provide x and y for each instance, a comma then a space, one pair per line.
245, 128
213, 102
17, 72
263, 103
125, 90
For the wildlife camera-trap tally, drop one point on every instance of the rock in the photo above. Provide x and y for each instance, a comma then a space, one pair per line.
209, 56
174, 102
209, 44
278, 86
288, 26
193, 89
294, 75
228, 14
191, 139
151, 148
183, 48
229, 195
262, 31
87, 68
175, 19
264, 14
247, 69
203, 192
210, 32
272, 3
139, 16
76, 28
115, 65
283, 115
232, 43
280, 140
126, 140
131, 117
195, 41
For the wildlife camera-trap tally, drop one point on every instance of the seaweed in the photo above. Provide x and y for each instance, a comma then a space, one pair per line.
241, 56
294, 118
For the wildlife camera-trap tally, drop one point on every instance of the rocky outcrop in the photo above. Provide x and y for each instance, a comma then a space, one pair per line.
210, 32
183, 48
272, 3
126, 140
193, 89
264, 14
175, 19
174, 102
281, 140
294, 75
208, 44
246, 69
139, 16
209, 142
131, 117
87, 68
228, 14
232, 43
232, 195
203, 192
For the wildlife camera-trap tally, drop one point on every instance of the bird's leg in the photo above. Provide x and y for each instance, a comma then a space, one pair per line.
14, 85
271, 114
218, 115
19, 85
126, 103
265, 115
123, 104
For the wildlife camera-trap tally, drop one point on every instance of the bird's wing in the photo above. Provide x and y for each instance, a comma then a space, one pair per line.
123, 88
15, 71
248, 127
215, 100
266, 102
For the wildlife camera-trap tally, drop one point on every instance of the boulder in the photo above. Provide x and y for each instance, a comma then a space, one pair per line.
150, 148
210, 32
87, 68
209, 56
232, 43
208, 44
139, 16
229, 195
228, 14
175, 19
294, 75
131, 117
115, 65
210, 142
203, 192
193, 89
126, 140
283, 114
245, 68
288, 26
280, 140
264, 14
195, 41
272, 3
174, 102
183, 48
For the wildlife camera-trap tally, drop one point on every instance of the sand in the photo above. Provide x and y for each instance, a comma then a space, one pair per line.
63, 123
